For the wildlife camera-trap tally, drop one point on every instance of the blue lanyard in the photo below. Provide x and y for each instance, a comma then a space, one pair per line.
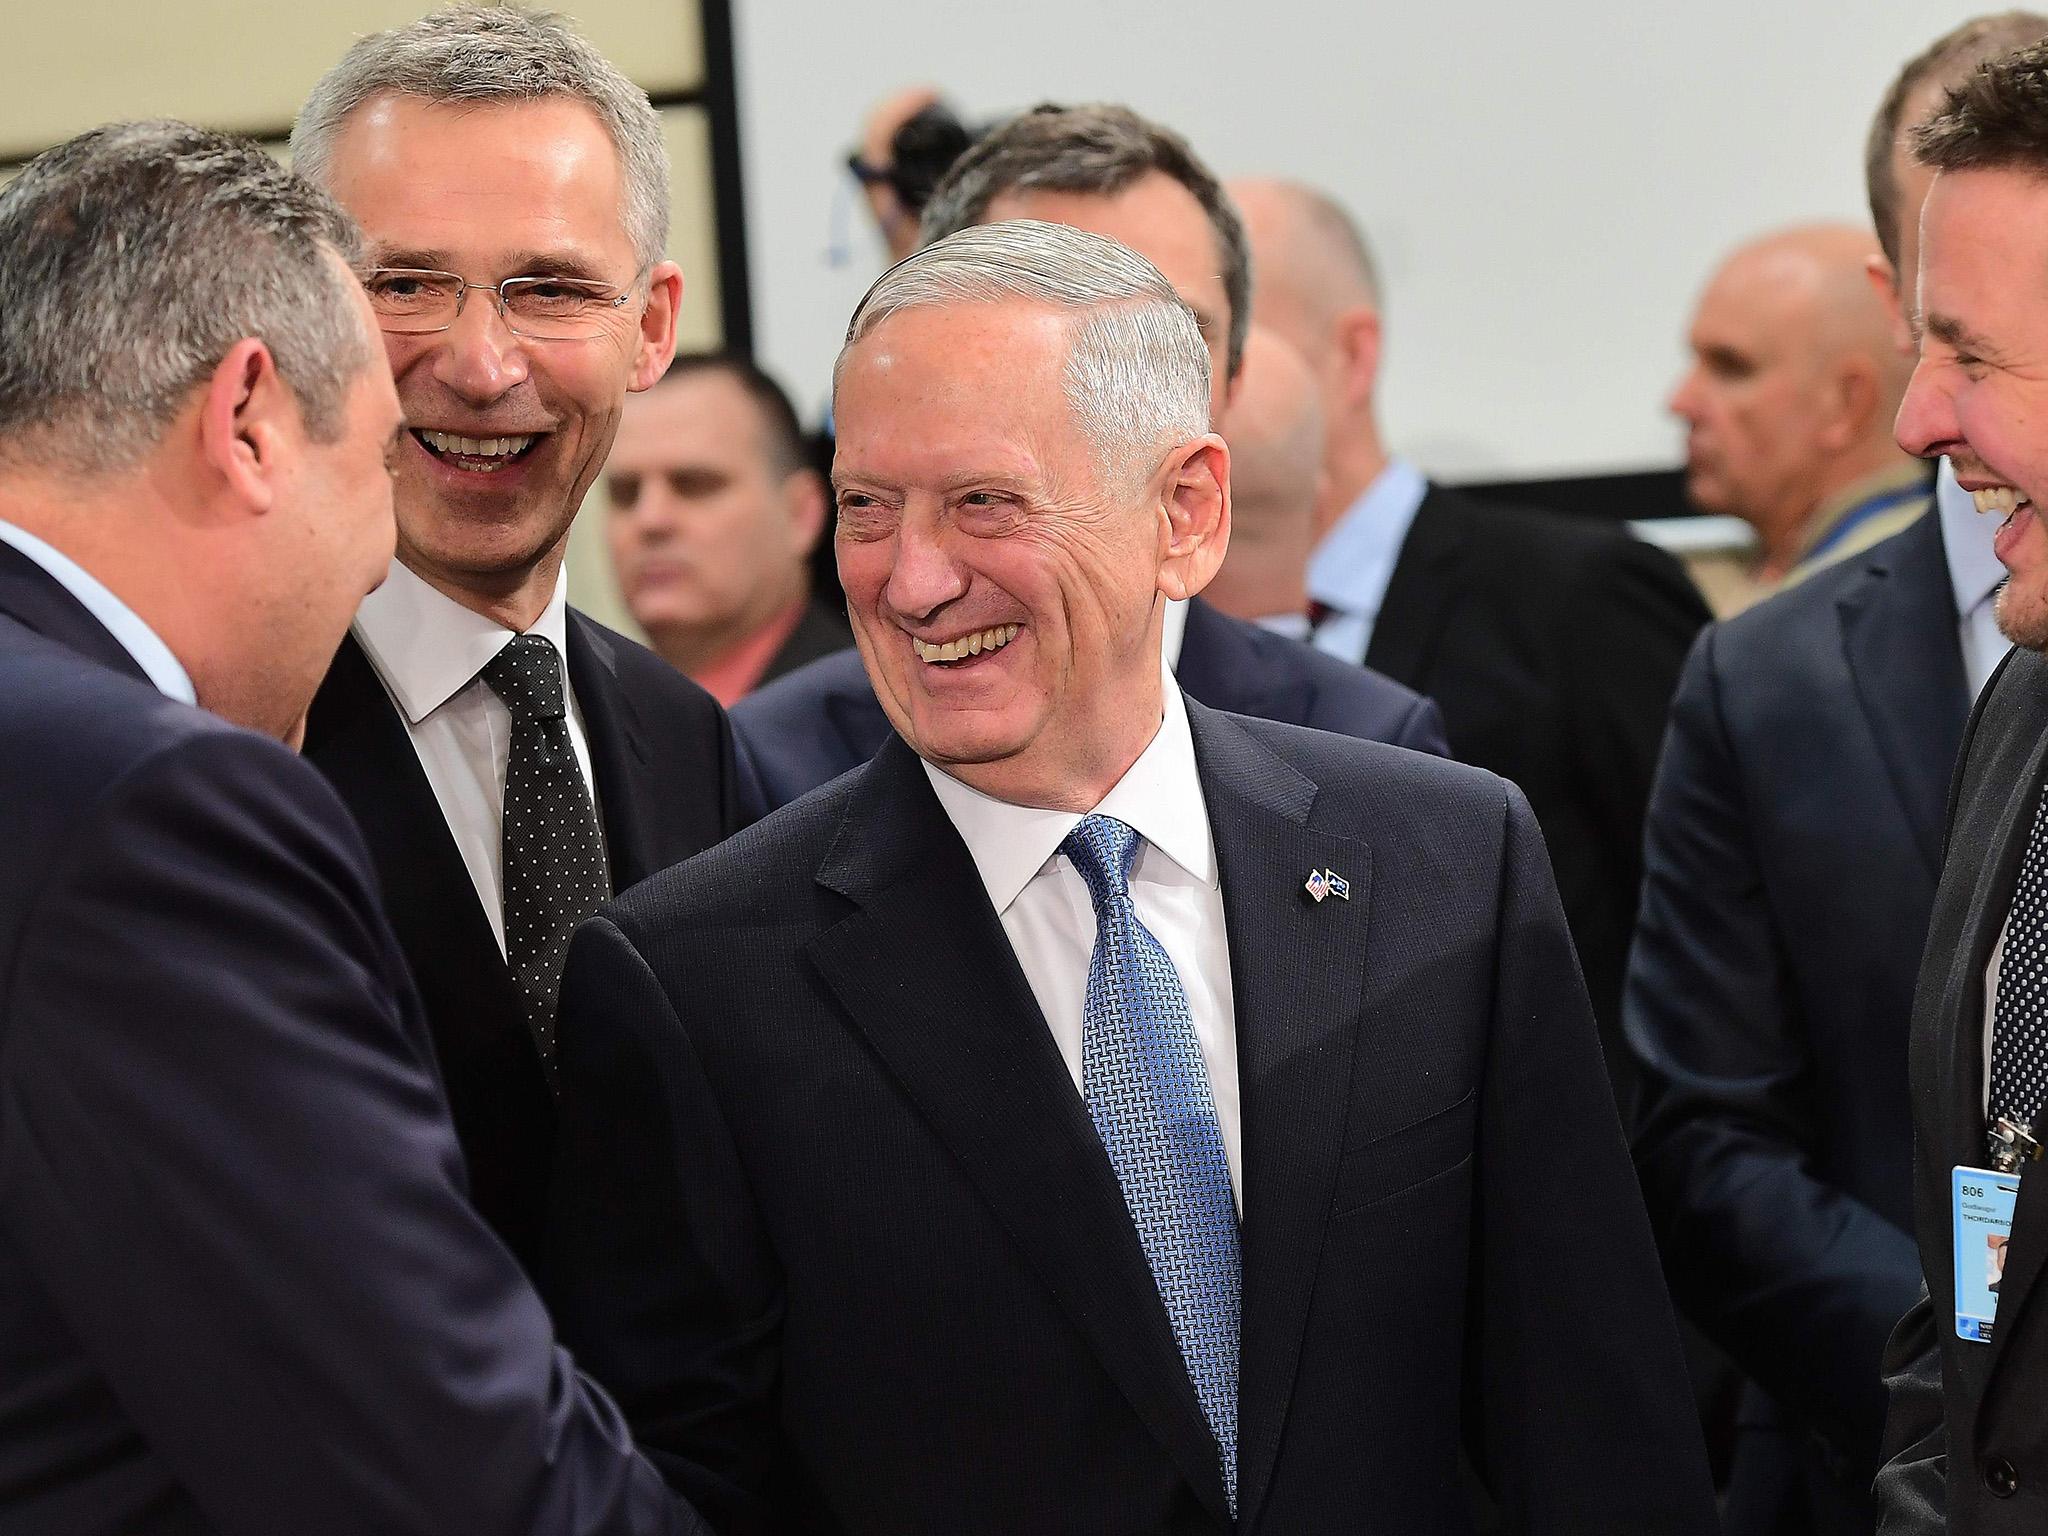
1860, 514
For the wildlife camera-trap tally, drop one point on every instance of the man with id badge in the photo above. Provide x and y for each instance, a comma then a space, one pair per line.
1967, 1438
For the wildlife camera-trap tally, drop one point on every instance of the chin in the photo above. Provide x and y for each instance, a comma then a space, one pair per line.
2022, 613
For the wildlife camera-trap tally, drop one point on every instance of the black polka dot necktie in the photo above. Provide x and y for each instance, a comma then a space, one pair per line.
553, 867
2019, 1023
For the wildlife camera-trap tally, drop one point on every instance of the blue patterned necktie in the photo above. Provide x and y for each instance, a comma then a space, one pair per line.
1148, 1094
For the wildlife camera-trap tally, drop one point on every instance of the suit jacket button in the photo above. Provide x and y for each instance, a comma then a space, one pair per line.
2000, 1477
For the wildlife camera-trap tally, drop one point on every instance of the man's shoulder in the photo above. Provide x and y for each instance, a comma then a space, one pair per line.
640, 674
791, 702
1361, 779
1538, 545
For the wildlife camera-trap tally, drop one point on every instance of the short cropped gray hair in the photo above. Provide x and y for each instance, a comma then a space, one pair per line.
133, 258
497, 54
1137, 372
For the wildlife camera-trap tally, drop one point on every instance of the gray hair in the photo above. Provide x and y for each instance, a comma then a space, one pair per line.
1137, 372
133, 258
497, 54
1100, 150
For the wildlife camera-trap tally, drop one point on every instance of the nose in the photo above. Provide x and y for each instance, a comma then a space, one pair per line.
1684, 400
923, 577
479, 358
1926, 424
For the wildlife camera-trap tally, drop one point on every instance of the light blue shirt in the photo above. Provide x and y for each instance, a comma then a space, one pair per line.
1350, 569
1975, 574
115, 616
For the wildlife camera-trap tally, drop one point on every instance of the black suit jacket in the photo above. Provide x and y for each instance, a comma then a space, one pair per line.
833, 1221
661, 754
1552, 645
824, 719
241, 1290
1969, 1419
1793, 844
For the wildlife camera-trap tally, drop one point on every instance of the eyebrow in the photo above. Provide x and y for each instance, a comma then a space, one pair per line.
1953, 333
521, 264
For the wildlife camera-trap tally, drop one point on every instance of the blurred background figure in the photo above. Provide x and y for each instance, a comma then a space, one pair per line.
908, 143
1792, 850
715, 510
1551, 643
1275, 430
1788, 407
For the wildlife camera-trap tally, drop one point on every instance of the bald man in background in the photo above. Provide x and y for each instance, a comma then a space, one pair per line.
1275, 430
1550, 643
1788, 407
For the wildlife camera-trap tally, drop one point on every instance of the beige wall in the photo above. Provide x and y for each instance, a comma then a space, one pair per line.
244, 65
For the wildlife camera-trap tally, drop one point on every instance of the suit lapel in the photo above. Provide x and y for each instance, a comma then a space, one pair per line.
355, 736
1419, 601
37, 599
956, 1025
618, 753
1297, 970
1899, 637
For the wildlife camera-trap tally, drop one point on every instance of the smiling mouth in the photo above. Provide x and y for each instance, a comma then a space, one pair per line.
967, 646
1998, 500
477, 455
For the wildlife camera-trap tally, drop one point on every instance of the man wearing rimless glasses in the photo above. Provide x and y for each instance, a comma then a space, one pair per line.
512, 762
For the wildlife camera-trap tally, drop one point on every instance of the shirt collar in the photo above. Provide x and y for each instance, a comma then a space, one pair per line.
427, 647
159, 664
1350, 567
1173, 629
1160, 796
1974, 572
1898, 483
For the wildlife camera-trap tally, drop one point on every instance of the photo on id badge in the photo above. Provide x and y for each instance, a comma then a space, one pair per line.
1981, 1202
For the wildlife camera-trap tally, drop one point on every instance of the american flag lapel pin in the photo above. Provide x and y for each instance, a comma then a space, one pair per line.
1318, 884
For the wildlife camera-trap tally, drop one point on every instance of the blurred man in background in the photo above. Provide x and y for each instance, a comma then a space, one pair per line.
242, 1289
714, 511
1788, 406
1550, 643
1793, 846
1106, 170
512, 761
908, 143
1275, 431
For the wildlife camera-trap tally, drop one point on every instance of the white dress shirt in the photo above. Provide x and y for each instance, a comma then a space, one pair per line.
1175, 885
428, 649
141, 642
1351, 568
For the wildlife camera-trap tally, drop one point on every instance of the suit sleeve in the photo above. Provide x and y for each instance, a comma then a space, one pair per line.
1797, 1279
657, 1270
1628, 627
1912, 1488
1575, 1351
226, 1156
1423, 730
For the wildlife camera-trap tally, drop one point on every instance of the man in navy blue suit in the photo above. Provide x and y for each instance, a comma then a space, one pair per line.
1100, 1113
1110, 172
242, 1288
1792, 851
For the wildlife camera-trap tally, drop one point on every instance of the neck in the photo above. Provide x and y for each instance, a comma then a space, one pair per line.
695, 648
1781, 539
515, 599
1355, 460
1105, 756
1257, 582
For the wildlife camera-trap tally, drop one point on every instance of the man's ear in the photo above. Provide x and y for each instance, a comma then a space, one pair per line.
803, 497
1883, 277
655, 341
1854, 398
1194, 498
1355, 347
248, 424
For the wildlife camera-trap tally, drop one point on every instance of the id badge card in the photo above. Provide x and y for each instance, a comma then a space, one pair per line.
1980, 1206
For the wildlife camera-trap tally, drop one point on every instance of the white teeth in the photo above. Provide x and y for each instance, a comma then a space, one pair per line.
476, 447
1998, 499
967, 645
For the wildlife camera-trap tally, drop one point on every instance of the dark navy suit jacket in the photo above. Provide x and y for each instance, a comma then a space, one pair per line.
817, 722
1793, 845
241, 1289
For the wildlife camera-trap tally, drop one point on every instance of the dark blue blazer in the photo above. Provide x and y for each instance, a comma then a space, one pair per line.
823, 719
1793, 845
833, 1223
241, 1289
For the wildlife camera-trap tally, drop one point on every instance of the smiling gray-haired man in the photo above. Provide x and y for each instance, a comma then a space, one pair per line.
907, 1135
512, 761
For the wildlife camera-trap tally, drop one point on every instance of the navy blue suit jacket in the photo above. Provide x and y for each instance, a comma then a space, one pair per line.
820, 720
832, 1221
1793, 845
241, 1289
